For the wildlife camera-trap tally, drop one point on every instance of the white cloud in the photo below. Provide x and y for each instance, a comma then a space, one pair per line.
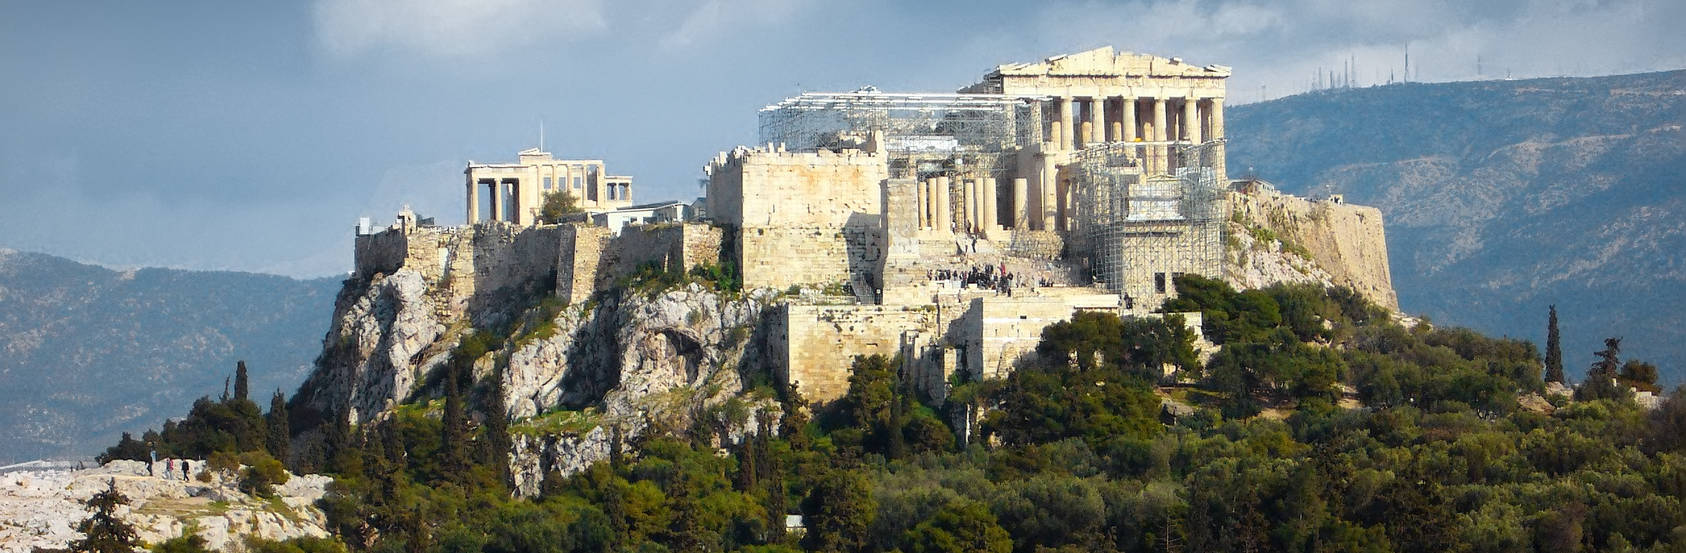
452, 29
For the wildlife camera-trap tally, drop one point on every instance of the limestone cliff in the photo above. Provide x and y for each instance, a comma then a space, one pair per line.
575, 378
40, 509
1281, 238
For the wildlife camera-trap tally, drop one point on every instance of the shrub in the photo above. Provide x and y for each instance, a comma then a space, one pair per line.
262, 474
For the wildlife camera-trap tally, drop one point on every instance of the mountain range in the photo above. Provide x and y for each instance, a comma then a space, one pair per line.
90, 352
1502, 198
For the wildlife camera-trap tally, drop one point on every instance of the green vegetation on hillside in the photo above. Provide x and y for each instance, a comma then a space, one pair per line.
1074, 452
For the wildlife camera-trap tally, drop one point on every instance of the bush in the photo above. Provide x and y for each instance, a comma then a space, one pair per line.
262, 474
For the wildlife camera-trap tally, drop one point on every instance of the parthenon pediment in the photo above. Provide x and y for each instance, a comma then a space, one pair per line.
1104, 61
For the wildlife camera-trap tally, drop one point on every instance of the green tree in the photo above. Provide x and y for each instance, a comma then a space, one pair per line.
453, 432
1554, 349
961, 526
102, 531
241, 384
185, 543
262, 474
686, 532
280, 433
1640, 375
557, 204
1601, 376
497, 443
837, 512
127, 448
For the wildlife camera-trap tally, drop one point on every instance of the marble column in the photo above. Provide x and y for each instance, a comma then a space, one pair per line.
497, 200
1159, 151
1217, 118
1129, 123
989, 210
968, 207
1066, 130
1021, 215
929, 208
1191, 119
944, 209
1099, 115
920, 193
1048, 196
473, 201
977, 209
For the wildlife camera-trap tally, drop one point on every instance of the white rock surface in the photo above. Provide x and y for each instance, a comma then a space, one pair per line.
42, 508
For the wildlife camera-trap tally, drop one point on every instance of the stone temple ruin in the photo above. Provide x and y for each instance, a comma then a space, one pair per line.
949, 228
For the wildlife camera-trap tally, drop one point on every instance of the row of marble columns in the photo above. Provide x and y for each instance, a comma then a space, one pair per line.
977, 204
502, 193
1198, 118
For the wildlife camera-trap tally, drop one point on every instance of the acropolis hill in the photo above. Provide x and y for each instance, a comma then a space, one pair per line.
944, 228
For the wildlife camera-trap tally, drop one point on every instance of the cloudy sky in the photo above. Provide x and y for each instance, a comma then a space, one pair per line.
251, 135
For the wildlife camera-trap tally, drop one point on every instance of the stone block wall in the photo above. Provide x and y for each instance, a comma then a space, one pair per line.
463, 264
579, 255
802, 218
814, 345
590, 259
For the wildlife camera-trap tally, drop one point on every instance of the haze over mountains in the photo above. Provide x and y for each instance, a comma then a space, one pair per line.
1503, 197
89, 352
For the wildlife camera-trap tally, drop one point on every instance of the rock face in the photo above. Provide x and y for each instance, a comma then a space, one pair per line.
575, 378
1312, 241
371, 357
40, 509
634, 362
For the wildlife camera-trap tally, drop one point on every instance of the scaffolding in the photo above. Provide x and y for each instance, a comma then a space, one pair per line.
1148, 211
924, 134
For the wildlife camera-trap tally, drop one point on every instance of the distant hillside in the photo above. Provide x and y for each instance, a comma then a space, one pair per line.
1502, 197
90, 352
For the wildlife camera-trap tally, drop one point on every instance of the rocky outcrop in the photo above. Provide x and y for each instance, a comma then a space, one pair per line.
373, 353
40, 509
633, 362
1310, 241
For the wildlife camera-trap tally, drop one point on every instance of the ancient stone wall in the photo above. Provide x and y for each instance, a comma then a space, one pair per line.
590, 259
465, 264
802, 218
579, 255
814, 345
1345, 240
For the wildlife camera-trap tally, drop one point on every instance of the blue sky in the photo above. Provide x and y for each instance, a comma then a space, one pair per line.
251, 135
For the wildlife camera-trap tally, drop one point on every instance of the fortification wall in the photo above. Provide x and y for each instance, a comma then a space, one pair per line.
815, 344
802, 218
579, 256
461, 265
1345, 240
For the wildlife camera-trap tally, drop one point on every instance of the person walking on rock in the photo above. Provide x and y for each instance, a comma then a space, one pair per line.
184, 470
154, 462
169, 469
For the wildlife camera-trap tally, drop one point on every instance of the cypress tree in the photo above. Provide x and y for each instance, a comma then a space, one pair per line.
240, 387
102, 531
280, 433
498, 443
1554, 349
453, 431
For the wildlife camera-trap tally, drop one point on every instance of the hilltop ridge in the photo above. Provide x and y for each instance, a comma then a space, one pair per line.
1503, 197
